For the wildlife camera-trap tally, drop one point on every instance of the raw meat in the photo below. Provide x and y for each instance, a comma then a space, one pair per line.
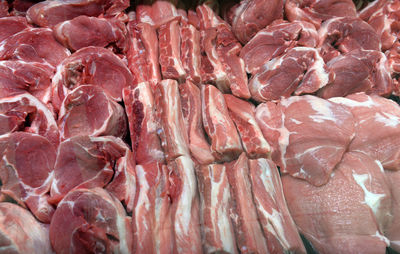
51, 12
344, 34
185, 205
88, 110
26, 113
33, 45
17, 77
152, 221
377, 133
242, 114
143, 125
88, 162
215, 204
358, 71
4, 8
26, 171
172, 132
275, 40
11, 25
190, 51
90, 221
392, 232
169, 41
157, 14
301, 70
249, 235
84, 31
308, 135
250, 16
278, 226
20, 232
347, 213
91, 65
317, 11
191, 109
225, 141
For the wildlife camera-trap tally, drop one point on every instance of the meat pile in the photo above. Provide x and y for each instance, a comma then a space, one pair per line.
165, 128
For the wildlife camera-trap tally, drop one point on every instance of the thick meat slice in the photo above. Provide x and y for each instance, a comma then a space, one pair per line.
190, 51
309, 135
347, 213
276, 39
91, 65
301, 70
157, 14
185, 206
377, 130
88, 162
11, 25
250, 16
88, 110
225, 141
26, 171
249, 235
242, 114
344, 34
277, 223
20, 232
26, 113
392, 232
143, 125
33, 45
18, 77
51, 12
316, 11
358, 71
172, 132
169, 42
191, 109
84, 31
90, 221
215, 204
152, 221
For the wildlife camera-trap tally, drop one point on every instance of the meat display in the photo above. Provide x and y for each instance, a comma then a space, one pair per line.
239, 126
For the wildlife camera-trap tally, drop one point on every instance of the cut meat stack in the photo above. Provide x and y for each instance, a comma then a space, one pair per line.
168, 130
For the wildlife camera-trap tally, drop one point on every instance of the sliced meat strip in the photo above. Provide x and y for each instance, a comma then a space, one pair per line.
26, 171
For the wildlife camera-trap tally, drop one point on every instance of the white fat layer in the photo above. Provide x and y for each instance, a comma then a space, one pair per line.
143, 200
352, 103
380, 165
370, 199
387, 119
382, 238
322, 109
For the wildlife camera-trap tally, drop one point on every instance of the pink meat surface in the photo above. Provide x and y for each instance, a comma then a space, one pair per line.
11, 25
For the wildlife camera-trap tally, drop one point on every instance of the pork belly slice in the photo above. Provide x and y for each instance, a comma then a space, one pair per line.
248, 231
91, 220
151, 219
225, 141
20, 232
172, 132
33, 45
243, 115
169, 42
26, 171
50, 13
91, 65
88, 110
377, 132
215, 204
84, 31
185, 205
346, 214
308, 135
300, 71
192, 115
275, 40
277, 223
24, 112
143, 125
88, 162
191, 51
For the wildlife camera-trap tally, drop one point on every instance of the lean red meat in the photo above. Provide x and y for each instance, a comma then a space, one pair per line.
26, 171
20, 232
11, 25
